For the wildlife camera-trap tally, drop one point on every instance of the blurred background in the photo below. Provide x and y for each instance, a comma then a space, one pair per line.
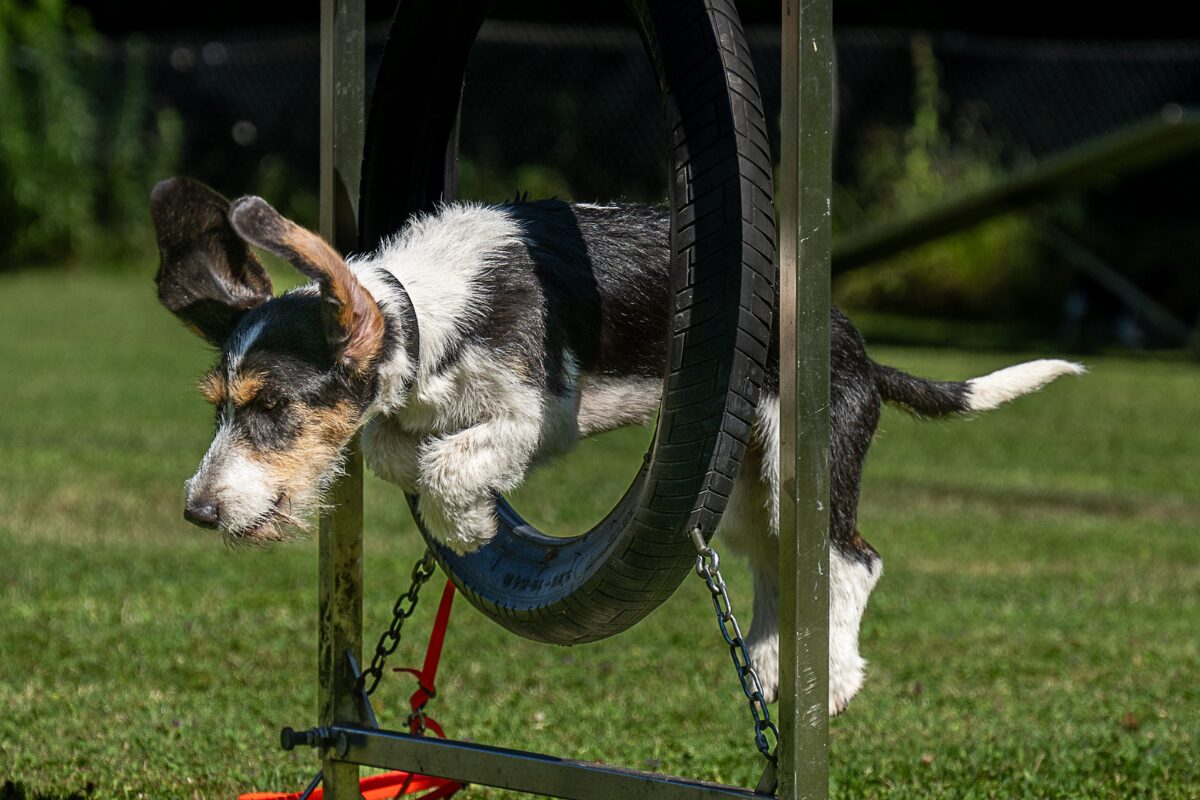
99, 100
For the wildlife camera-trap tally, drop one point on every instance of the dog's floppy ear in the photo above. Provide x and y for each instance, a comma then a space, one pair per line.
354, 325
207, 275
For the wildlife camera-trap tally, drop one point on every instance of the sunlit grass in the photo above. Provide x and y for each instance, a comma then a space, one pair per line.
1034, 634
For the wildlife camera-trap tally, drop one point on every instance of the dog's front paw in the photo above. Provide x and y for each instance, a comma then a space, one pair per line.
391, 452
456, 502
461, 527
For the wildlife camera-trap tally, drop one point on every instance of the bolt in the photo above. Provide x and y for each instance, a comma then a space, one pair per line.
289, 738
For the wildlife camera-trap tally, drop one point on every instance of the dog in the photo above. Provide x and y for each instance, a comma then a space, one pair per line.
479, 342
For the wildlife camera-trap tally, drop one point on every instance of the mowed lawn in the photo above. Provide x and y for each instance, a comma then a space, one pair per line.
1035, 633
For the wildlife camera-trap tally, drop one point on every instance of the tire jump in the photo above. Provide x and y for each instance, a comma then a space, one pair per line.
597, 584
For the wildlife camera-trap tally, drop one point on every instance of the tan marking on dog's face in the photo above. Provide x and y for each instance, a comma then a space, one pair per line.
214, 388
285, 409
266, 484
302, 469
217, 389
322, 432
245, 387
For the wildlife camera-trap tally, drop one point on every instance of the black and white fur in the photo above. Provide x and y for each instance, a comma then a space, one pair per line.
536, 324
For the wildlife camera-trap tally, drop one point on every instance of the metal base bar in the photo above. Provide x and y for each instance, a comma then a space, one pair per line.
515, 769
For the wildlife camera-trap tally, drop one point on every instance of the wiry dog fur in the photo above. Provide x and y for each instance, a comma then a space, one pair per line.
476, 343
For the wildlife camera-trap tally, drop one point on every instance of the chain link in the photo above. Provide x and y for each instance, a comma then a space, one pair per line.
404, 607
708, 567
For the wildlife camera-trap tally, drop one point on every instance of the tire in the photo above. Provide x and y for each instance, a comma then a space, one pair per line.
589, 587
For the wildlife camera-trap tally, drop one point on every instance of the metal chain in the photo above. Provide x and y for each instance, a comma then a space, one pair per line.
405, 604
708, 567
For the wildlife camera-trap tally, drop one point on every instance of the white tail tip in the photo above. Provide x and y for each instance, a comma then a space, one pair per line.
996, 389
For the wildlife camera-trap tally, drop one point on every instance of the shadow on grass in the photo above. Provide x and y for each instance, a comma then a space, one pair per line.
17, 791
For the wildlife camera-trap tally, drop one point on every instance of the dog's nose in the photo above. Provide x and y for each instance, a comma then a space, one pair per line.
202, 511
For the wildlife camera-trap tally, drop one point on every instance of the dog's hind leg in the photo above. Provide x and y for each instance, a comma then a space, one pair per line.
852, 576
748, 527
854, 566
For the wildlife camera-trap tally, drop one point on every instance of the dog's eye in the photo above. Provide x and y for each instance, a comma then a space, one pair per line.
268, 401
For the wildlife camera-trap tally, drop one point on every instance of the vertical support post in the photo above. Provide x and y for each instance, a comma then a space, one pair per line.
343, 81
805, 193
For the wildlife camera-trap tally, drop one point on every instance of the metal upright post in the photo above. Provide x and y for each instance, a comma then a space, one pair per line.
804, 241
343, 77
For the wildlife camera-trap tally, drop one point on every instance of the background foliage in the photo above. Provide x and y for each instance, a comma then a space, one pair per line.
995, 271
75, 166
571, 109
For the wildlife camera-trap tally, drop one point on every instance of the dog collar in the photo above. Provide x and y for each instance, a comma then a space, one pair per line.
399, 301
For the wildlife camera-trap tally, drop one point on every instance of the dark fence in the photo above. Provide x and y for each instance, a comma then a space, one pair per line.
582, 100
574, 110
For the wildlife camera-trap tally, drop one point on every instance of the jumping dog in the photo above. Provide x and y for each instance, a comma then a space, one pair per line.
478, 342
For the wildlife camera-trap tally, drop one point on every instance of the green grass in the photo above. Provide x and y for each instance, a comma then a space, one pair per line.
1034, 635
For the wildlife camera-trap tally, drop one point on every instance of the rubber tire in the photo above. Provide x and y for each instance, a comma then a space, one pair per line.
589, 587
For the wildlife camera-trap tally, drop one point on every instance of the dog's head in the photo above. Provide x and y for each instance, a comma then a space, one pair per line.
296, 373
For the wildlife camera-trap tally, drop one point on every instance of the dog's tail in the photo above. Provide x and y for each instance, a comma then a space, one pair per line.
928, 398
